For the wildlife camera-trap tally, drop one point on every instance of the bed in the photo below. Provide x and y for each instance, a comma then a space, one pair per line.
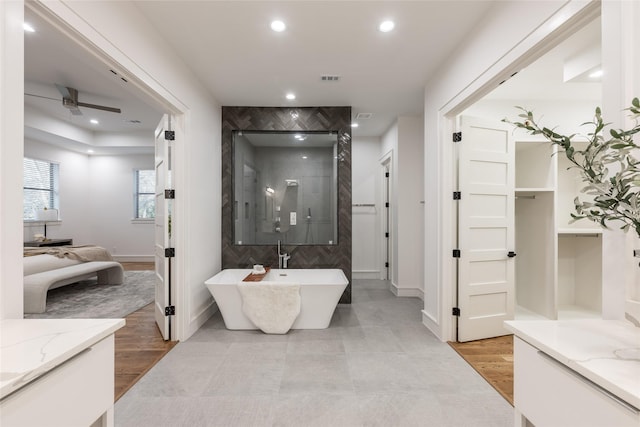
51, 267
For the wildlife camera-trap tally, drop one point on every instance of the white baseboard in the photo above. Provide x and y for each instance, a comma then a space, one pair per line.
406, 292
365, 274
199, 319
432, 324
134, 258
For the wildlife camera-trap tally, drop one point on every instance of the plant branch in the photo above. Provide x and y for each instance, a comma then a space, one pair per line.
615, 194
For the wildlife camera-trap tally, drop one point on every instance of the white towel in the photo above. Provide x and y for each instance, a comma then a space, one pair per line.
271, 306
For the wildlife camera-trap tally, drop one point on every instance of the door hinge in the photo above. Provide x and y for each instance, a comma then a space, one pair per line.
455, 311
457, 136
169, 194
386, 205
457, 195
456, 253
386, 235
170, 135
386, 264
169, 252
170, 310
386, 174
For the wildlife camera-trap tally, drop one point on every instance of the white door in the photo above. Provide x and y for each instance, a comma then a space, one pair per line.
486, 279
162, 227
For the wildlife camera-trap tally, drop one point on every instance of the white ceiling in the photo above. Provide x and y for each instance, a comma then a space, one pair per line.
230, 47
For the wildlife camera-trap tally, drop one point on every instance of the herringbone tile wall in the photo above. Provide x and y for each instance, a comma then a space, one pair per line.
336, 119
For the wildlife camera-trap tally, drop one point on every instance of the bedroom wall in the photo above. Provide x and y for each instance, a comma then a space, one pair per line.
96, 201
112, 207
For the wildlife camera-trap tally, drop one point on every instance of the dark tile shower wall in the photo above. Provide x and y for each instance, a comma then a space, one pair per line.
289, 119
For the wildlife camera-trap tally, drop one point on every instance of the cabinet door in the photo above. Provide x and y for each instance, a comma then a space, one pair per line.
486, 296
549, 394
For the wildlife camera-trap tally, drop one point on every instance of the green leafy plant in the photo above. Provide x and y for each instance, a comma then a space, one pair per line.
608, 165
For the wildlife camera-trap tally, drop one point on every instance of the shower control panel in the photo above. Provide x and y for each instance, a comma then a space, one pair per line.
292, 218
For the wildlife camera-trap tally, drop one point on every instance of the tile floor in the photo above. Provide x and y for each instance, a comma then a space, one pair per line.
376, 365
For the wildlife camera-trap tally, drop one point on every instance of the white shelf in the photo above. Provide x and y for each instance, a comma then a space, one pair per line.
575, 312
576, 231
527, 190
522, 313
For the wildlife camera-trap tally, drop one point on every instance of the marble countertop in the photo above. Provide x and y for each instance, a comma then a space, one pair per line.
32, 347
606, 352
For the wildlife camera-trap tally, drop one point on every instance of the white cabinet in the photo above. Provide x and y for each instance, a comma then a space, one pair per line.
549, 394
571, 373
559, 265
57, 372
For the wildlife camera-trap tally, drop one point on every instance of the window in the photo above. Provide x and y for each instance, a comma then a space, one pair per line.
40, 189
145, 184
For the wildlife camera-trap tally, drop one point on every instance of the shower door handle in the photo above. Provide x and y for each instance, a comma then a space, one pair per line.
511, 254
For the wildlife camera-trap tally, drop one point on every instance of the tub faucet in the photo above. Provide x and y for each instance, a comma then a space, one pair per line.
283, 257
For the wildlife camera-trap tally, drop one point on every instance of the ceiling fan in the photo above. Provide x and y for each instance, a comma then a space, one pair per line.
70, 101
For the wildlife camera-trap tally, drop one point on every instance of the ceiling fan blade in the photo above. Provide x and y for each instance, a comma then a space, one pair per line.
99, 107
64, 91
70, 101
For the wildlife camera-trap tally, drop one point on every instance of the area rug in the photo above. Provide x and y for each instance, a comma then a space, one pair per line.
87, 299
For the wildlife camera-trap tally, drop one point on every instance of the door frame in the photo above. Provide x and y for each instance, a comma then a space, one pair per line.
386, 223
569, 19
93, 43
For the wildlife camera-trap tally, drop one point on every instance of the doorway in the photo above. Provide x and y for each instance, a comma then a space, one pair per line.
93, 70
387, 218
548, 88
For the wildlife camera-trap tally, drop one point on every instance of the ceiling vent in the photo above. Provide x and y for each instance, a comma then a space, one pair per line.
329, 78
364, 116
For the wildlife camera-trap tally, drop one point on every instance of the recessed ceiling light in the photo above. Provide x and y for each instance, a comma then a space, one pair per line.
290, 96
90, 151
28, 28
354, 125
304, 157
596, 74
386, 26
278, 26
94, 121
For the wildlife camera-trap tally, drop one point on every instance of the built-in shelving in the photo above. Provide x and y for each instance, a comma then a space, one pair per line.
559, 262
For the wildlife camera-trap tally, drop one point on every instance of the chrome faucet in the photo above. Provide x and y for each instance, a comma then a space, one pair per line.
283, 258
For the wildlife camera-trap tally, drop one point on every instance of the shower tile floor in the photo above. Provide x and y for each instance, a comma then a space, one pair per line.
376, 365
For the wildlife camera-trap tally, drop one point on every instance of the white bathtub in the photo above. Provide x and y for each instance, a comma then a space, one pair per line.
320, 291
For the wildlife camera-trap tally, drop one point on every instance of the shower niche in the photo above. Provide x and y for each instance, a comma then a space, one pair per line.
285, 187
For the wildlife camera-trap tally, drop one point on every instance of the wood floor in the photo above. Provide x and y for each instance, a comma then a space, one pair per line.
493, 359
138, 345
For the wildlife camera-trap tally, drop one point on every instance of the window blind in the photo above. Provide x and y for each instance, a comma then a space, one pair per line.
145, 185
40, 186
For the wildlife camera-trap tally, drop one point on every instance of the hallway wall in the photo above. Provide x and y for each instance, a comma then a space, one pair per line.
367, 220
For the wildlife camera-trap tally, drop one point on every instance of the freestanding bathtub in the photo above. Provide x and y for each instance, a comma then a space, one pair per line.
320, 291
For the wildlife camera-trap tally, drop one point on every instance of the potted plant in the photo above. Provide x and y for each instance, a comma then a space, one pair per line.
609, 165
